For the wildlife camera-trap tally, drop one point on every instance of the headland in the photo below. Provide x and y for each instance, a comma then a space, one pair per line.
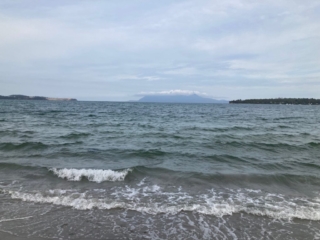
290, 101
24, 97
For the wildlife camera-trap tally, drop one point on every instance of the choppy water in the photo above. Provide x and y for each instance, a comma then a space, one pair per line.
101, 170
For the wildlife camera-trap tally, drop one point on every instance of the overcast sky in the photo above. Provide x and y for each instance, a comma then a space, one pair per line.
121, 50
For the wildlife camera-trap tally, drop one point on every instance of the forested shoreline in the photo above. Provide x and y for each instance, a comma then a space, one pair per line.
295, 101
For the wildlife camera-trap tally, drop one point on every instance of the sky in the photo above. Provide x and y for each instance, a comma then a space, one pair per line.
122, 50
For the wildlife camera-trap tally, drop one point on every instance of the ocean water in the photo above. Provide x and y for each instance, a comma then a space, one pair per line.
103, 170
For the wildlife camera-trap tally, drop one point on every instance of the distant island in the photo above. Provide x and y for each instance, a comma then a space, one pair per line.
194, 98
295, 101
23, 97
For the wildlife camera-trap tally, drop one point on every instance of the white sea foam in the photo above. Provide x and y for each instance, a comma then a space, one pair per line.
14, 219
77, 201
94, 175
216, 204
142, 182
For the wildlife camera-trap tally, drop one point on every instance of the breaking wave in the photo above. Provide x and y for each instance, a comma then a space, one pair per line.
152, 200
93, 175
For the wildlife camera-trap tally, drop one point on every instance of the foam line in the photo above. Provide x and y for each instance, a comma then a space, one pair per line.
214, 205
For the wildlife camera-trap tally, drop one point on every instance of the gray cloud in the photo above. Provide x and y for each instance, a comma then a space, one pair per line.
171, 92
102, 50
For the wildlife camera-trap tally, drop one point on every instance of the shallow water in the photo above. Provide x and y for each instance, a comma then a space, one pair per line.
102, 170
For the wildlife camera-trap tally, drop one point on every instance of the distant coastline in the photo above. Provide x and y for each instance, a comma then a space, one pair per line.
24, 97
291, 101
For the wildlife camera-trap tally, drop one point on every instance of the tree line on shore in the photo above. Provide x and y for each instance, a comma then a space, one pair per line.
24, 97
296, 101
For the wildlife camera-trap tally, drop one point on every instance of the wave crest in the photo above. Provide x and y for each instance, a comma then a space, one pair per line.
141, 200
93, 175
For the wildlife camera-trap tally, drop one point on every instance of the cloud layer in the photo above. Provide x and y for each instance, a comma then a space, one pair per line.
104, 50
172, 92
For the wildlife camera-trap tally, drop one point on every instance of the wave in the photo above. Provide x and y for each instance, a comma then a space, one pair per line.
8, 146
152, 200
285, 118
284, 126
266, 145
14, 166
93, 175
281, 177
218, 129
225, 158
151, 153
31, 146
314, 144
75, 135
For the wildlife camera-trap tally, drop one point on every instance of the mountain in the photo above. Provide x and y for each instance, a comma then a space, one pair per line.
179, 99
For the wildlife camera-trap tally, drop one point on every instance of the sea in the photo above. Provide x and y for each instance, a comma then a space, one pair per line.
130, 170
